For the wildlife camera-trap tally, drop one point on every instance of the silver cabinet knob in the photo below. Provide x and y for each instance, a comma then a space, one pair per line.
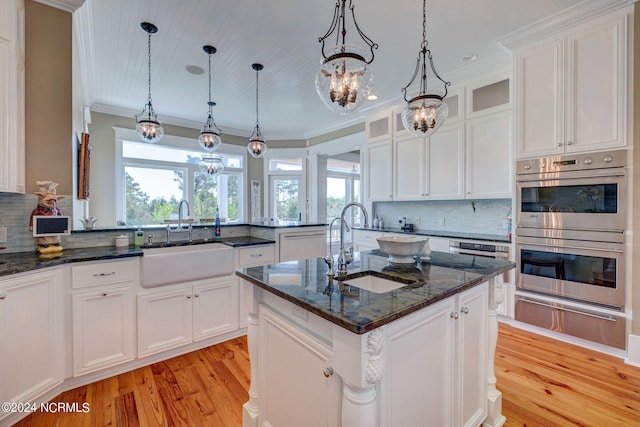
465, 310
454, 315
197, 294
588, 161
188, 296
560, 144
327, 372
569, 142
526, 167
3, 295
608, 158
105, 293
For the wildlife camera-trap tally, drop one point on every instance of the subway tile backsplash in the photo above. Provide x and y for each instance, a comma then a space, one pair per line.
457, 215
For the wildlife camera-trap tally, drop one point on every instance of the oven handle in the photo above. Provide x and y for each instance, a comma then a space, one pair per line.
571, 247
584, 313
554, 177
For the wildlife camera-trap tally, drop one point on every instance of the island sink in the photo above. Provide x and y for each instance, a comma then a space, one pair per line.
374, 284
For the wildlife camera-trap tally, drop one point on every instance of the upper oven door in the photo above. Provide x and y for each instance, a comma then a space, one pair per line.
579, 200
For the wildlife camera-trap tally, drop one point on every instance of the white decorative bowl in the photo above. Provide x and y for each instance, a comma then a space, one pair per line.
402, 249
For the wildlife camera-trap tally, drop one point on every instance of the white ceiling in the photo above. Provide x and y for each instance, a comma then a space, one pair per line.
283, 35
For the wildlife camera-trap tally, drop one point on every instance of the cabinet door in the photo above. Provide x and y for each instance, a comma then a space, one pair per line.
596, 82
446, 162
488, 156
103, 328
294, 391
165, 320
540, 100
419, 369
31, 335
472, 345
379, 171
302, 244
409, 165
215, 308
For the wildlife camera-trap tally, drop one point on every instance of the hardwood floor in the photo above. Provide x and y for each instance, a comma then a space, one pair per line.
544, 383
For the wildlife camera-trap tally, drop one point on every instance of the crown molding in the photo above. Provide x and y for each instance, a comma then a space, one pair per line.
66, 5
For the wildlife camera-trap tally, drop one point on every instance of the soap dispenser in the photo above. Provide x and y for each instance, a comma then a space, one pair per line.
139, 238
217, 233
381, 223
376, 222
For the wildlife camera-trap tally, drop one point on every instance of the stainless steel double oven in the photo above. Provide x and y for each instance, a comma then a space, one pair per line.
570, 224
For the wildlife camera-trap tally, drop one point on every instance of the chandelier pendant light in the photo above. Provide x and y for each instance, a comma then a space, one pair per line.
426, 111
257, 145
211, 164
147, 124
209, 138
345, 78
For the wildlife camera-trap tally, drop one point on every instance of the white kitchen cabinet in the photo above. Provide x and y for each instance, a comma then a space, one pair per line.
379, 171
12, 148
448, 342
296, 389
488, 156
440, 244
104, 314
301, 243
410, 165
572, 90
176, 315
445, 159
251, 256
365, 240
31, 335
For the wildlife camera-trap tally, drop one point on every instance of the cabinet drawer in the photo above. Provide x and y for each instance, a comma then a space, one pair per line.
256, 255
104, 273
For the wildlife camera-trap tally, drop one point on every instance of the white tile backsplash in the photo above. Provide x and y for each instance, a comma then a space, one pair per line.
458, 215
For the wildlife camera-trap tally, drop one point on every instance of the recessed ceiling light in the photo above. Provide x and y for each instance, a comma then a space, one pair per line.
470, 57
194, 69
372, 97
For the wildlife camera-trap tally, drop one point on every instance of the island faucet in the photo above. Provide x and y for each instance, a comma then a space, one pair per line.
328, 259
343, 258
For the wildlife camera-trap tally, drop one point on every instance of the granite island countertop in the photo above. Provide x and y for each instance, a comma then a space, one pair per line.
501, 238
306, 284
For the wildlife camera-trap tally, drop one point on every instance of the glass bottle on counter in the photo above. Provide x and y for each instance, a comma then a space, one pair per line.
217, 224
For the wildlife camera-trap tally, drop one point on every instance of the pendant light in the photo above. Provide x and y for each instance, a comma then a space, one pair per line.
426, 111
210, 136
257, 145
147, 123
211, 164
345, 78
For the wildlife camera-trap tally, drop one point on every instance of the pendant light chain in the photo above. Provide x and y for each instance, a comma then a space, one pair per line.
257, 116
149, 66
210, 104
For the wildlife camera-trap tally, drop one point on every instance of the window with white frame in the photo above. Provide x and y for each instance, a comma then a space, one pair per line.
155, 178
286, 194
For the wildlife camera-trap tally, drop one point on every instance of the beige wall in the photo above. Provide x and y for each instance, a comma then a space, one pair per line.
48, 97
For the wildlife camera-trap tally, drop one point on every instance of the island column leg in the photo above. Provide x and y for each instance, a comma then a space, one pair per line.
494, 414
250, 408
359, 406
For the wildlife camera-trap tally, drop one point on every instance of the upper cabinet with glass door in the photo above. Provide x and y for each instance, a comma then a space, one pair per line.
572, 89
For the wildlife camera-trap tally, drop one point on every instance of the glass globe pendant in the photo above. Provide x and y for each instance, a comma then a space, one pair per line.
147, 124
426, 111
209, 138
211, 164
345, 79
257, 145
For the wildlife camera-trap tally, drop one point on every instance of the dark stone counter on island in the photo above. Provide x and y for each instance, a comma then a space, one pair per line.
305, 283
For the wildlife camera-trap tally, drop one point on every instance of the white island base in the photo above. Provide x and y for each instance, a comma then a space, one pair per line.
433, 367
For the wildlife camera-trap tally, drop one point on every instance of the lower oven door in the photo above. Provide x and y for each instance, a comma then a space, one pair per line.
590, 272
597, 327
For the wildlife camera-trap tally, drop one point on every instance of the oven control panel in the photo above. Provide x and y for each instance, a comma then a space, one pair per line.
603, 160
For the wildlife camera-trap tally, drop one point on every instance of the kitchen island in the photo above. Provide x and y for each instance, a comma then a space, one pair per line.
327, 352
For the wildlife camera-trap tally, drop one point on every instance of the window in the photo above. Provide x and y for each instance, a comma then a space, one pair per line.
157, 177
343, 186
287, 188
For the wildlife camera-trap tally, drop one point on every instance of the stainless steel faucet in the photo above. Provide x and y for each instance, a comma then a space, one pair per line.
180, 228
329, 258
343, 258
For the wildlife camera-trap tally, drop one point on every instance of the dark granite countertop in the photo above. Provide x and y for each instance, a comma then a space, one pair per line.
442, 233
305, 284
126, 228
21, 262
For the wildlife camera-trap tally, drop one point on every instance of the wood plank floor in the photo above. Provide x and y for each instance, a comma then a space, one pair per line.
544, 382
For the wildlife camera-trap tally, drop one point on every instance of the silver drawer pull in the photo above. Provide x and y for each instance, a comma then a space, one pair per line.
256, 255
104, 274
576, 311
